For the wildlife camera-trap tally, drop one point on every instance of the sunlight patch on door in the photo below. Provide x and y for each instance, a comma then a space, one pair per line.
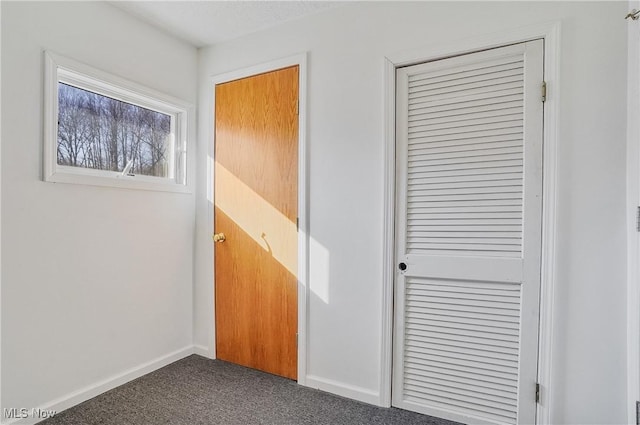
267, 226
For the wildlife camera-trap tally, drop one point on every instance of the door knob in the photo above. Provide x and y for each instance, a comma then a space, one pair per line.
219, 237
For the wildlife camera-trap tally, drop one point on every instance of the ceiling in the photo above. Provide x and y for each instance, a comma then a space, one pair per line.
203, 23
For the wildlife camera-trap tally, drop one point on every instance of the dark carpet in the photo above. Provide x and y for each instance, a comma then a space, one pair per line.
196, 390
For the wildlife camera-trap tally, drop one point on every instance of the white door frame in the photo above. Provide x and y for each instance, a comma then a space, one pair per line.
303, 210
550, 32
633, 200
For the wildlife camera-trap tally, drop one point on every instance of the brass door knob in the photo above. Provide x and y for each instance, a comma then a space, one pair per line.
219, 237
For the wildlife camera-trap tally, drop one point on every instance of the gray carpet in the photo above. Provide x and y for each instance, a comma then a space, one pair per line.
196, 390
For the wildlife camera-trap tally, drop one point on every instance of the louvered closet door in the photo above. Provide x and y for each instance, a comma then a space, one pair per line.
469, 203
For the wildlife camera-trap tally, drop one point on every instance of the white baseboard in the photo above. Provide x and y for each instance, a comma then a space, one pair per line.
203, 351
84, 394
345, 390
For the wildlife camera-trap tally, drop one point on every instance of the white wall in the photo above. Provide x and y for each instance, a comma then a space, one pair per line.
95, 281
633, 192
346, 49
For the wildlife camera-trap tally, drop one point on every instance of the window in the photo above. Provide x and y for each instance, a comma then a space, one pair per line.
106, 131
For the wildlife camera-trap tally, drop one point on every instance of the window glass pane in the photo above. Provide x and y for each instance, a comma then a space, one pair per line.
98, 132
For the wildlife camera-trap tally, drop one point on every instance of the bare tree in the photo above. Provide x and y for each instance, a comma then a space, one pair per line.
99, 132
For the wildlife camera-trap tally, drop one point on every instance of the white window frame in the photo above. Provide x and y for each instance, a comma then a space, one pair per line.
59, 69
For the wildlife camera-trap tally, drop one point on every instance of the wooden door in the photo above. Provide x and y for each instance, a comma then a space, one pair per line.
256, 208
468, 235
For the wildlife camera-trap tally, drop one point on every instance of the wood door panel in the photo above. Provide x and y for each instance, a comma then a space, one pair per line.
257, 331
257, 120
256, 154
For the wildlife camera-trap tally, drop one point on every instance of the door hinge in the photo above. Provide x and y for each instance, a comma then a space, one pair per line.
297, 339
537, 392
298, 107
544, 91
638, 219
297, 224
637, 412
